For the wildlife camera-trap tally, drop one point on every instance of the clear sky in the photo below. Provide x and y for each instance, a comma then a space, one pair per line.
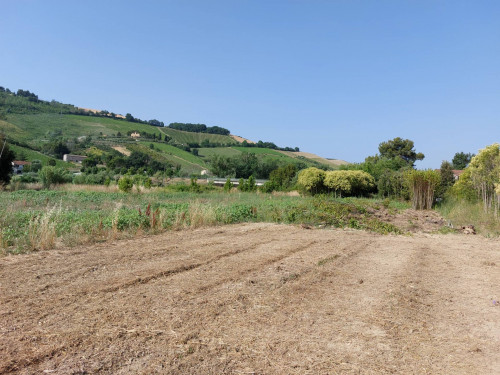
332, 77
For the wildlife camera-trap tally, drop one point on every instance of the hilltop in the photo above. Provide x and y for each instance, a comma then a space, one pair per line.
41, 130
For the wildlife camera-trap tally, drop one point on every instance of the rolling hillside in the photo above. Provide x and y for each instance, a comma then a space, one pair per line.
30, 129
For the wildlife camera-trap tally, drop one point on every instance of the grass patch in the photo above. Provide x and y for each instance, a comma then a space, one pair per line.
29, 221
462, 213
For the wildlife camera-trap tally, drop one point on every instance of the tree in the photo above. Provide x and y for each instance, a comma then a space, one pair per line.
447, 179
36, 165
400, 148
485, 176
228, 185
311, 180
461, 160
6, 158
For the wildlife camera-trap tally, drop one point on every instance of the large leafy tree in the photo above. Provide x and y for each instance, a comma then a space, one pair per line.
6, 158
400, 148
461, 160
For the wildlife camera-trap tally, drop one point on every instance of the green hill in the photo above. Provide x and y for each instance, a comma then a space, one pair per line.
37, 129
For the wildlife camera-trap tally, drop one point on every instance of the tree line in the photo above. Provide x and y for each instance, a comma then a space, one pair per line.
198, 128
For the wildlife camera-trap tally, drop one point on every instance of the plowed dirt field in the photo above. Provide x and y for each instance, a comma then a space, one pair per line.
255, 299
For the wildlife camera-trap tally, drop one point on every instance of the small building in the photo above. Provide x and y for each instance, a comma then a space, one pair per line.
74, 158
18, 166
457, 173
135, 135
235, 181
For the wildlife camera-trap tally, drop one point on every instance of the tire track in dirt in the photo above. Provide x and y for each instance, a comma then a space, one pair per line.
167, 273
290, 301
62, 273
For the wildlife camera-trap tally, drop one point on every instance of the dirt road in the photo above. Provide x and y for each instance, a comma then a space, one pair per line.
255, 299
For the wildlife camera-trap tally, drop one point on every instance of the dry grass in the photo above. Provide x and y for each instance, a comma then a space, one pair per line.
42, 230
96, 188
462, 213
201, 215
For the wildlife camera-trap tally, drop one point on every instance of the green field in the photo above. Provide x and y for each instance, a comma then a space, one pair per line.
223, 151
187, 167
260, 151
189, 163
35, 128
185, 138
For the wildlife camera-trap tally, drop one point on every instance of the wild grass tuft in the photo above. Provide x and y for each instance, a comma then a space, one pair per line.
462, 212
42, 230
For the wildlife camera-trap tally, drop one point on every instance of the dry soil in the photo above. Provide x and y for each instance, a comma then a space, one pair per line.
255, 299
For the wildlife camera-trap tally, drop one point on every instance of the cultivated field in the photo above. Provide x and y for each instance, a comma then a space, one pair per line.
255, 298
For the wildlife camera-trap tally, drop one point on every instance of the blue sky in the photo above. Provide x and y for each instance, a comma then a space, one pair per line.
332, 77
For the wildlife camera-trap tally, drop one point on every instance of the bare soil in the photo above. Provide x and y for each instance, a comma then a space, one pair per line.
122, 150
255, 299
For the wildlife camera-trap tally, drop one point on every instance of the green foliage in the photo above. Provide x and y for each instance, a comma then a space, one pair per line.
342, 182
125, 184
6, 158
464, 189
400, 148
447, 179
198, 128
247, 185
377, 166
50, 175
461, 212
461, 160
310, 180
282, 178
349, 183
483, 174
392, 184
26, 102
422, 185
243, 165
228, 185
36, 165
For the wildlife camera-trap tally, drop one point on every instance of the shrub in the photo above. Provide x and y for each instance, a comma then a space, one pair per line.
50, 175
228, 185
392, 184
422, 185
310, 180
125, 184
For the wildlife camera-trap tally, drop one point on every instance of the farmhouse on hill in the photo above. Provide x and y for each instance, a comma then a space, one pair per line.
74, 158
135, 135
18, 166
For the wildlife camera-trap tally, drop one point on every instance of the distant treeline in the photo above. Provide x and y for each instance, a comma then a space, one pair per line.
24, 102
198, 128
270, 145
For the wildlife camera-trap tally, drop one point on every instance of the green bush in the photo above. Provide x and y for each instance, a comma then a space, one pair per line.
50, 175
228, 185
125, 184
310, 180
392, 184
